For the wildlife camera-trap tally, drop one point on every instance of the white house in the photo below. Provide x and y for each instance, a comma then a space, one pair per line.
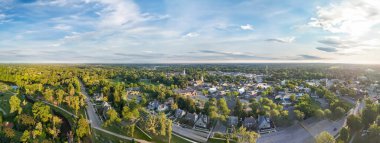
212, 90
241, 90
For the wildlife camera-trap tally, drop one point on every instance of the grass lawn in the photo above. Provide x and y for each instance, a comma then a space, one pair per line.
140, 135
101, 137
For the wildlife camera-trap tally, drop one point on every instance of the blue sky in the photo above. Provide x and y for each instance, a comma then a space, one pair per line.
189, 31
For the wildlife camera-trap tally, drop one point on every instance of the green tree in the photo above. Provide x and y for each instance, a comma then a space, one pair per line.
112, 117
25, 136
299, 115
14, 103
369, 114
244, 136
324, 137
82, 128
239, 111
41, 111
60, 94
130, 115
327, 113
293, 98
224, 110
374, 133
169, 130
9, 133
344, 134
71, 89
319, 114
339, 112
354, 123
162, 123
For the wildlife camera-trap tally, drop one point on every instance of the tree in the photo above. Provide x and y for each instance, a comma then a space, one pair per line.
9, 133
71, 89
319, 114
299, 115
293, 98
75, 104
25, 136
113, 117
48, 94
369, 114
151, 123
225, 111
82, 128
174, 106
339, 112
354, 123
130, 115
162, 123
169, 130
1, 119
374, 133
344, 134
239, 108
14, 103
37, 130
324, 137
244, 136
327, 113
60, 93
41, 111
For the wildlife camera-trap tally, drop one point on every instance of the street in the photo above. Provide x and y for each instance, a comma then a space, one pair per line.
305, 131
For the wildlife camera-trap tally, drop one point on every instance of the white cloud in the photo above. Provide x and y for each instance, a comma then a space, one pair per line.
353, 25
4, 18
118, 12
62, 27
246, 27
190, 35
282, 40
353, 17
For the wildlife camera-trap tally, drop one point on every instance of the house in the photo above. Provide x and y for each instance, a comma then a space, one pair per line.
283, 82
249, 122
179, 113
241, 90
233, 121
202, 122
263, 122
98, 96
191, 118
262, 85
153, 105
105, 107
162, 108
186, 92
212, 90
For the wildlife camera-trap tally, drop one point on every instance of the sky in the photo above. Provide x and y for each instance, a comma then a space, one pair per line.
189, 31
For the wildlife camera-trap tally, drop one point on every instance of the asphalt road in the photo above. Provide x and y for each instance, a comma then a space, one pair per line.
305, 131
94, 118
191, 134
